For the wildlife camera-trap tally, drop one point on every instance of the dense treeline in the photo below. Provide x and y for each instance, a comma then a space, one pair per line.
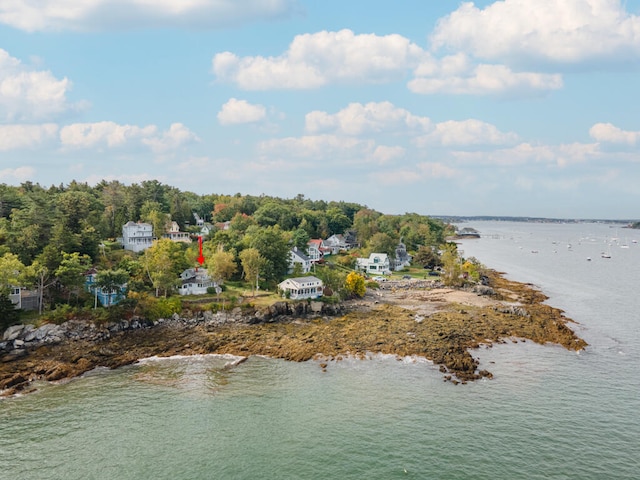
61, 230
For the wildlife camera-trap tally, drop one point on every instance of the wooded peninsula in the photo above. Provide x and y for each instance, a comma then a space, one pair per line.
208, 274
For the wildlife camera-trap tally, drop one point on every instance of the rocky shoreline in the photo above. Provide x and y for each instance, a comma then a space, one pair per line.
403, 318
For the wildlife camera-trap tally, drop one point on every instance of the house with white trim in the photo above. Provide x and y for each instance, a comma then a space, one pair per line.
137, 237
301, 288
315, 250
298, 256
376, 264
195, 281
175, 235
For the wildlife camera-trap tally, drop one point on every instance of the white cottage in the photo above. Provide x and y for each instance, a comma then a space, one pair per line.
376, 264
195, 281
137, 236
300, 288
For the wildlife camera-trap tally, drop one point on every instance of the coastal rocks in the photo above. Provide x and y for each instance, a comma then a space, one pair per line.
296, 331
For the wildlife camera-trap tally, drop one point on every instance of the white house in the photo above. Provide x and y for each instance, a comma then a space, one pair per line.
175, 235
300, 288
315, 250
376, 264
15, 297
298, 256
195, 281
137, 236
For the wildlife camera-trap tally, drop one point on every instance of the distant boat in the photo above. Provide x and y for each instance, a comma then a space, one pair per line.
534, 251
605, 255
588, 259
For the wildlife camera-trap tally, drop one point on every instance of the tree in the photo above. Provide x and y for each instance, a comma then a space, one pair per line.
111, 281
273, 246
337, 221
163, 262
354, 285
333, 278
8, 313
300, 238
11, 269
252, 263
39, 275
427, 257
451, 265
70, 271
382, 243
221, 265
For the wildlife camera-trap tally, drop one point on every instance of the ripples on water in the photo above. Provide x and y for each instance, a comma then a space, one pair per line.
548, 413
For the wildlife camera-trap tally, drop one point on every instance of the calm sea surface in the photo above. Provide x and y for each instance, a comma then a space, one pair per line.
548, 413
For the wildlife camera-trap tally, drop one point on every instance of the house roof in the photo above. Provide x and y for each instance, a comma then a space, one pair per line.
301, 280
300, 254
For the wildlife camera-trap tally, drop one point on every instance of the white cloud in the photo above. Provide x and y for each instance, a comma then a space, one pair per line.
87, 15
20, 174
467, 132
26, 136
111, 135
422, 172
606, 132
317, 59
28, 94
317, 146
240, 111
527, 154
177, 136
359, 119
457, 75
556, 31
385, 154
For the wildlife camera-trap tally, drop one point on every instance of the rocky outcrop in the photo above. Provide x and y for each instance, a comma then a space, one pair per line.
295, 331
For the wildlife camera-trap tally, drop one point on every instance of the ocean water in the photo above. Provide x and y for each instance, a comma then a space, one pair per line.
547, 414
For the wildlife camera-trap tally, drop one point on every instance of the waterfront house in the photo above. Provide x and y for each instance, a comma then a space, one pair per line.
105, 297
195, 281
376, 264
301, 288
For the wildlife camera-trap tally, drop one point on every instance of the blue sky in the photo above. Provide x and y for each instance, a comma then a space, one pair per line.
514, 107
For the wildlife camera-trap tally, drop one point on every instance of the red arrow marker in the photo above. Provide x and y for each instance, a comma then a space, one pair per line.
200, 256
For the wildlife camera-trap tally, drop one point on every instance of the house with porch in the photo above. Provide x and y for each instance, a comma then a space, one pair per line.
175, 235
301, 288
137, 237
376, 264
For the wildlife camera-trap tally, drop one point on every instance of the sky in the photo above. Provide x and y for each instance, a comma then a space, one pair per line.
513, 107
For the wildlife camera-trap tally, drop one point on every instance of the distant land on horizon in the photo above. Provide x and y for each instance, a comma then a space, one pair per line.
466, 218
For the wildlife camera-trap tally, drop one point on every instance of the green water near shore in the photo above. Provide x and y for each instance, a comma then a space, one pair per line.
548, 413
